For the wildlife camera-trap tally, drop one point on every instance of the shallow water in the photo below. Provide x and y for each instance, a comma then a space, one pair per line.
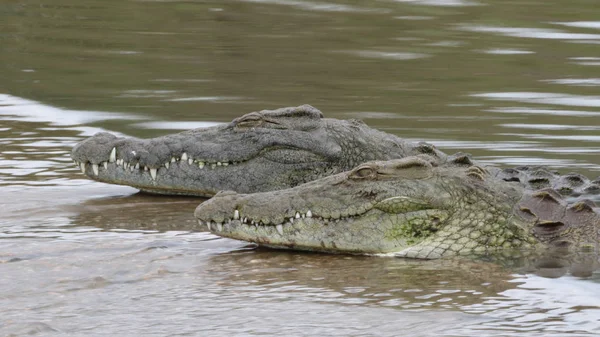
513, 82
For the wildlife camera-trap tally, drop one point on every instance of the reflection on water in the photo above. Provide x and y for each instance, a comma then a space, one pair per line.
24, 110
387, 55
508, 51
581, 24
587, 61
515, 83
544, 98
577, 82
190, 283
534, 33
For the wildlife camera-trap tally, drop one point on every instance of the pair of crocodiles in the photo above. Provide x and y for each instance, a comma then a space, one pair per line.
306, 182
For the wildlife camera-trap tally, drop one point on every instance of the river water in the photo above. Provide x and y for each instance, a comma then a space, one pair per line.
513, 82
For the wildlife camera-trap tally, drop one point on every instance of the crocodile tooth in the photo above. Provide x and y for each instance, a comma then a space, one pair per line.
145, 168
131, 168
309, 214
291, 220
208, 225
153, 173
173, 159
279, 229
167, 164
219, 163
82, 167
201, 164
105, 164
303, 215
297, 215
126, 166
113, 155
137, 166
95, 168
255, 224
219, 226
225, 164
190, 161
236, 214
213, 166
184, 156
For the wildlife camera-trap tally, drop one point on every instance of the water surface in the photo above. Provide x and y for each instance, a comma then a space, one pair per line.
512, 82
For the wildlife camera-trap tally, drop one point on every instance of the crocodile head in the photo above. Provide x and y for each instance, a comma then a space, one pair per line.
260, 151
407, 207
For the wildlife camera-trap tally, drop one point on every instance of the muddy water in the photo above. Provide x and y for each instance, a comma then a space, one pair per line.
513, 82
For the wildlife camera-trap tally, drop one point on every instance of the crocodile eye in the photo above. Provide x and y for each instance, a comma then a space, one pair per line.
248, 121
363, 172
256, 121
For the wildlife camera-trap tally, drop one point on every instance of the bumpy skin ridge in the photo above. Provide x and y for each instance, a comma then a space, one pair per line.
411, 207
270, 150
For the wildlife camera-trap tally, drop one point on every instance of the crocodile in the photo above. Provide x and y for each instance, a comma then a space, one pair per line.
269, 150
412, 207
260, 151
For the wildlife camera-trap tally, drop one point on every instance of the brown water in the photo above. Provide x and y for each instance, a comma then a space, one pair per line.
513, 82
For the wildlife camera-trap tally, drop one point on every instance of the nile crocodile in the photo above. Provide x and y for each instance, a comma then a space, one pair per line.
260, 151
265, 151
410, 207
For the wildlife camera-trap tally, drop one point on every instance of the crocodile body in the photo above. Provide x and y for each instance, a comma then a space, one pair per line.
411, 207
269, 150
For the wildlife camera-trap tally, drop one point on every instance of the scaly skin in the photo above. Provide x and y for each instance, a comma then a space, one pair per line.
408, 207
269, 150
260, 151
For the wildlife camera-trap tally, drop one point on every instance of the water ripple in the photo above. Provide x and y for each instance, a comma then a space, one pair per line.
206, 99
508, 52
551, 127
16, 108
397, 56
533, 33
536, 111
442, 3
580, 24
584, 82
543, 98
170, 125
320, 6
